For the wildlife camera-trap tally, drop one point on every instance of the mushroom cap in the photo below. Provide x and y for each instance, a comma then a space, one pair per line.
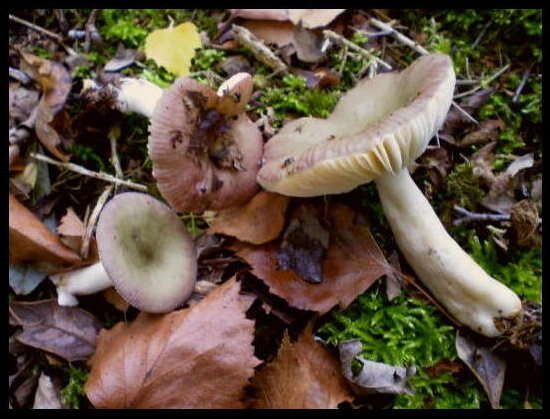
147, 252
203, 163
381, 125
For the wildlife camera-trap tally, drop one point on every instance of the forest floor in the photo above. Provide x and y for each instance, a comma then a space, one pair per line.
279, 340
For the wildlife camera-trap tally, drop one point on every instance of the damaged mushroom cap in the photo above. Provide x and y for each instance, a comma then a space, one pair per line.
205, 153
147, 252
379, 126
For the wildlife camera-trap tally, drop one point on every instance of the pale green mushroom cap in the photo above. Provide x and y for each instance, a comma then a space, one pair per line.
381, 125
147, 252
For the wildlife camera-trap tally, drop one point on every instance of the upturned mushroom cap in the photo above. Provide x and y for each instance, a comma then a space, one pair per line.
147, 252
379, 126
205, 153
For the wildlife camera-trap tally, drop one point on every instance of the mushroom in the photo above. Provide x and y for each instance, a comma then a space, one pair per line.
205, 150
376, 130
145, 253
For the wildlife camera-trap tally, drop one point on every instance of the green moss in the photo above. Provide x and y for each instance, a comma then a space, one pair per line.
405, 331
463, 187
72, 394
521, 270
89, 155
206, 59
293, 96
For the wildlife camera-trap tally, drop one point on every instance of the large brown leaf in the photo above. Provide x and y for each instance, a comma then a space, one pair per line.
200, 357
304, 375
352, 263
56, 84
68, 332
32, 242
258, 221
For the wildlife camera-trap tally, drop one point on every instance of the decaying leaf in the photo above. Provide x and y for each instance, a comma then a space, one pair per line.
24, 279
267, 14
32, 242
374, 377
313, 18
304, 245
47, 394
21, 103
487, 131
393, 279
114, 298
123, 58
525, 221
257, 221
200, 357
56, 84
68, 332
308, 45
352, 263
173, 47
304, 375
488, 367
272, 32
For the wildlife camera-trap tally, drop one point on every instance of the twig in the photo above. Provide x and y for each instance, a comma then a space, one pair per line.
518, 91
475, 216
338, 38
85, 172
481, 34
84, 249
483, 82
399, 36
37, 28
258, 48
114, 134
463, 112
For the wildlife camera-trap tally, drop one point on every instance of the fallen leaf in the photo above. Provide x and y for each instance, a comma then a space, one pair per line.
321, 77
522, 162
173, 47
68, 332
56, 84
304, 245
47, 394
24, 279
31, 242
200, 357
353, 262
114, 298
525, 221
374, 377
393, 280
277, 33
21, 103
487, 131
258, 221
236, 64
267, 14
488, 367
304, 375
308, 45
124, 57
313, 18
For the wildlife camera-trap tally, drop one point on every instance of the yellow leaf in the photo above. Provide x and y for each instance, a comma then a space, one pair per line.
173, 48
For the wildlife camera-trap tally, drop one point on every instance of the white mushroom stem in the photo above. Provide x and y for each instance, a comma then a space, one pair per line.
84, 281
453, 277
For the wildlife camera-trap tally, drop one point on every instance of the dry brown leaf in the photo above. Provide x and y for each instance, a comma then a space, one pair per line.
68, 332
56, 84
313, 18
114, 298
353, 262
525, 221
267, 14
277, 33
258, 221
201, 357
304, 375
32, 242
487, 131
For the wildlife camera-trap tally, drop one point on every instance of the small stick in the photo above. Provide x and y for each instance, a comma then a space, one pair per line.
475, 216
37, 28
489, 80
85, 172
258, 48
481, 34
463, 112
338, 38
113, 135
399, 36
84, 249
518, 91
